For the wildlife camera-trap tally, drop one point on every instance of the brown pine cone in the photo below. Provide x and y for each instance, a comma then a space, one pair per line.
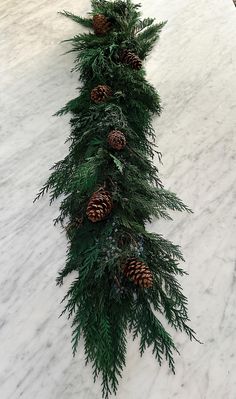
100, 93
101, 24
129, 58
138, 272
99, 205
116, 140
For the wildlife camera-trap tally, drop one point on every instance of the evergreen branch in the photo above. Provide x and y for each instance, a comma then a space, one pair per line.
71, 106
148, 37
125, 275
153, 334
170, 200
42, 192
162, 246
71, 265
142, 24
118, 163
88, 23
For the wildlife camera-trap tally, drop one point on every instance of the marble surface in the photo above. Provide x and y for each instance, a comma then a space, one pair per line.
194, 69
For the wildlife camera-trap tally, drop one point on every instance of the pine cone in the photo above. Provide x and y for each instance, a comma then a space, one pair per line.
138, 272
99, 206
129, 58
116, 140
100, 93
101, 24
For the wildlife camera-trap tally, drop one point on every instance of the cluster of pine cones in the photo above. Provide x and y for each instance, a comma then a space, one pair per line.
102, 25
100, 203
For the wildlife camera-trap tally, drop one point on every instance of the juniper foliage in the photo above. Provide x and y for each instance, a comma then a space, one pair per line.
103, 305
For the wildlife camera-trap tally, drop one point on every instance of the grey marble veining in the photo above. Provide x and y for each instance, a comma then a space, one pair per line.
193, 67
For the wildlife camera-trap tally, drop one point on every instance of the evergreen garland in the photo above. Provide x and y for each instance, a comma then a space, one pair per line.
126, 275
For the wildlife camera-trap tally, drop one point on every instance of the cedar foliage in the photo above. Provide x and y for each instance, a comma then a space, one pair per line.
103, 304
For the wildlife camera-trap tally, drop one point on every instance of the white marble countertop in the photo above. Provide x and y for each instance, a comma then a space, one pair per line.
194, 69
